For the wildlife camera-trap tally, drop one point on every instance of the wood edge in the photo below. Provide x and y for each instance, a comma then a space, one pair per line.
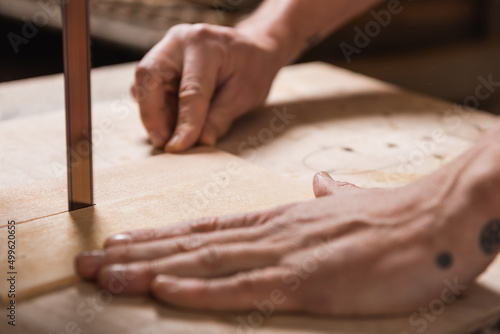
40, 290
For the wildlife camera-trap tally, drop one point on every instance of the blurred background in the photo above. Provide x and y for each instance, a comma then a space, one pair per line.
436, 47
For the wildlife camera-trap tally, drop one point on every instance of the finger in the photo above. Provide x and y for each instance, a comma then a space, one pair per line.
197, 86
263, 288
207, 224
224, 110
210, 261
324, 185
153, 90
156, 79
88, 263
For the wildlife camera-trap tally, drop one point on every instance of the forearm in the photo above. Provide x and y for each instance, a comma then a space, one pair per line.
295, 25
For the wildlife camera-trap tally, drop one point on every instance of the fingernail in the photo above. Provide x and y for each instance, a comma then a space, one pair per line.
172, 144
325, 174
119, 239
88, 262
156, 139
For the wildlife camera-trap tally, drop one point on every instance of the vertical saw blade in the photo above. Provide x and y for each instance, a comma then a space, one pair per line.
77, 97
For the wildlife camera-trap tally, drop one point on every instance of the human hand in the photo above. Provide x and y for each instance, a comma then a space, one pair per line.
198, 79
352, 251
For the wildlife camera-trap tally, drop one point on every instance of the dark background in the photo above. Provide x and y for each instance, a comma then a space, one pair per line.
437, 47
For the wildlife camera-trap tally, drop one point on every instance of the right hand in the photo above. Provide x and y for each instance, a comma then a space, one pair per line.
198, 79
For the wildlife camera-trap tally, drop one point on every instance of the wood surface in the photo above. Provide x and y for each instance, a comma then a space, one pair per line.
52, 312
157, 191
350, 125
359, 129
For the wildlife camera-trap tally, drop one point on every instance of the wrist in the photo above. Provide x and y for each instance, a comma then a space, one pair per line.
295, 25
463, 203
461, 197
465, 197
481, 175
276, 40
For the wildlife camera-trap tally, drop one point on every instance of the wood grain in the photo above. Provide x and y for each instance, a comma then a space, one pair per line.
335, 110
380, 125
93, 311
160, 190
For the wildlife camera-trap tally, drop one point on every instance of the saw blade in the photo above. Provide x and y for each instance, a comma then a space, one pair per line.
77, 98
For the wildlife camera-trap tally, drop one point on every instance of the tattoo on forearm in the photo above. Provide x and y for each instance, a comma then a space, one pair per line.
444, 260
489, 240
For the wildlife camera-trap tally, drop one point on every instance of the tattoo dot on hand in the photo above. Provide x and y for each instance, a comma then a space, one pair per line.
489, 239
444, 260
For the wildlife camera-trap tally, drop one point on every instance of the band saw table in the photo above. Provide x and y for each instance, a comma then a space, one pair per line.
317, 117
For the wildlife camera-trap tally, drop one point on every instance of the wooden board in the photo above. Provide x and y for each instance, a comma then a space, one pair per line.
73, 307
348, 118
157, 191
359, 129
177, 187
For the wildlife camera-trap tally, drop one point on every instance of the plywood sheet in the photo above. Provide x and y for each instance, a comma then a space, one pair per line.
160, 190
350, 125
84, 307
163, 190
359, 129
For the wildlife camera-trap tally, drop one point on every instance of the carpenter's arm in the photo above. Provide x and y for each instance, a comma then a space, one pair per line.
296, 25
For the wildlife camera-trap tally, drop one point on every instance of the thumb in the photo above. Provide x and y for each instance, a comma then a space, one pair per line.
324, 185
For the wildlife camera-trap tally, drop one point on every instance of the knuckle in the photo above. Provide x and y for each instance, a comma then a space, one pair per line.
204, 225
246, 281
279, 226
190, 90
149, 76
120, 254
210, 257
202, 31
178, 28
271, 217
189, 243
142, 71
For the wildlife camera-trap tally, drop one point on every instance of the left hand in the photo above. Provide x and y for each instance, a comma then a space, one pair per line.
198, 79
352, 251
